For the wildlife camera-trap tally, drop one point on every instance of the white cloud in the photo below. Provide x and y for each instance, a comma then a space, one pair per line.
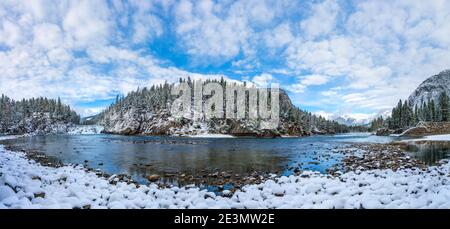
86, 23
263, 80
260, 12
279, 36
40, 59
307, 80
10, 33
146, 25
220, 31
322, 21
47, 36
314, 80
296, 88
378, 51
382, 51
206, 33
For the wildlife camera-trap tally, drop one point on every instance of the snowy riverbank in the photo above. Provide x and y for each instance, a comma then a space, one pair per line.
27, 184
434, 138
85, 129
211, 136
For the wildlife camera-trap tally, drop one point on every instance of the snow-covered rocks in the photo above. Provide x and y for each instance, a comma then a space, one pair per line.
380, 156
27, 184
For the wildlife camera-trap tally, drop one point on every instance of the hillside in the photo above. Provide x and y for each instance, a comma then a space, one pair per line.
431, 89
36, 115
147, 111
428, 105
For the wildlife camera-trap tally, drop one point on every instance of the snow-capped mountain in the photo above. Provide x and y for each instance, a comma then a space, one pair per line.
431, 88
348, 119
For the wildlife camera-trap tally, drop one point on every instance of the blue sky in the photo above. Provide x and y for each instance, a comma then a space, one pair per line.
335, 57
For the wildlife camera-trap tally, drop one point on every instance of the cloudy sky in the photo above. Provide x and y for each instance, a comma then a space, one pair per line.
334, 56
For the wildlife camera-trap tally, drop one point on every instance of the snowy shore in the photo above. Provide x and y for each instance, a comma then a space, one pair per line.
206, 135
85, 129
435, 138
27, 184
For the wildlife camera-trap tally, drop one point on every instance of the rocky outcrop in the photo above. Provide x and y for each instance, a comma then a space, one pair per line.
383, 132
147, 112
431, 89
427, 128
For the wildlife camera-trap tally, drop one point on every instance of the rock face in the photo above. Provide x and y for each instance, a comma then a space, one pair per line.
428, 128
160, 122
431, 89
387, 132
147, 112
383, 132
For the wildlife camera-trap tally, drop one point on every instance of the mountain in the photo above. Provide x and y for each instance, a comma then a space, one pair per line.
431, 89
349, 119
353, 119
147, 111
429, 103
90, 120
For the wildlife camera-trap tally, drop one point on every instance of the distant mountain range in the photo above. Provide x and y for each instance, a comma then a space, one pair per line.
350, 119
353, 120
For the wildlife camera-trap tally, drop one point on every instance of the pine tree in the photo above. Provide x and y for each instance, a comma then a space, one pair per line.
444, 104
18, 117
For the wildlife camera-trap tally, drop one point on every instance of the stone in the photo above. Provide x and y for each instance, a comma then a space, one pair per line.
39, 194
153, 178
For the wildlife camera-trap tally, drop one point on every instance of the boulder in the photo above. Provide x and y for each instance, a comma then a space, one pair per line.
383, 132
153, 178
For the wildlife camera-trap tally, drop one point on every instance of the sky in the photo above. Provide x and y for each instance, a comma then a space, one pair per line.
335, 57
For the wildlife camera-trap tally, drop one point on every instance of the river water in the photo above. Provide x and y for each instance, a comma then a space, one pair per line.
140, 156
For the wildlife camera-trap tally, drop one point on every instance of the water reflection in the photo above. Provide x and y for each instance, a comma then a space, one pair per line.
141, 156
430, 152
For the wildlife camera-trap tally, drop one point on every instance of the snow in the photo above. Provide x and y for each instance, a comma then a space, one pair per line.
211, 136
85, 129
27, 184
431, 89
442, 137
437, 138
6, 137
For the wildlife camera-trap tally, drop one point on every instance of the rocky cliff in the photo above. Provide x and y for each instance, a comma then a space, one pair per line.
147, 112
431, 89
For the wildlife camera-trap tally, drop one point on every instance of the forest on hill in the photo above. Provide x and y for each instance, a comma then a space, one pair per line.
147, 111
40, 115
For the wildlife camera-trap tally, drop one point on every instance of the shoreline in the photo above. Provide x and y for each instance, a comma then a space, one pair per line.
217, 179
25, 183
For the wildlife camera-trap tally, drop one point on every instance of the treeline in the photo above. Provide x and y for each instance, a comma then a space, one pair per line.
19, 115
406, 115
158, 97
